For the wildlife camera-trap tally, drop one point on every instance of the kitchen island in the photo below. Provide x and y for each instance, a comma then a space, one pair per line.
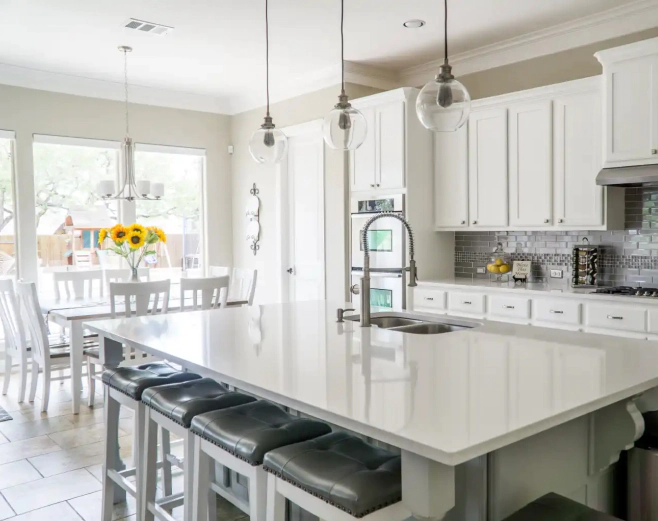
487, 419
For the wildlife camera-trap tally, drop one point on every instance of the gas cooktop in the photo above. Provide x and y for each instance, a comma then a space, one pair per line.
628, 291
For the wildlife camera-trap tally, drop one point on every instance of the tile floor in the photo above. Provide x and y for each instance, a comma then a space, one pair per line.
50, 463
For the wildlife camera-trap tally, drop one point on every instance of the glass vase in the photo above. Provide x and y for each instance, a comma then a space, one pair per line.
134, 275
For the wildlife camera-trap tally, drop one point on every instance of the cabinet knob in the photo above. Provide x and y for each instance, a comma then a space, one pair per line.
463, 222
654, 151
377, 185
475, 222
546, 221
372, 185
560, 221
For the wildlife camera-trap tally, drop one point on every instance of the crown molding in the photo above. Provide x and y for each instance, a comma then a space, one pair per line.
93, 88
619, 21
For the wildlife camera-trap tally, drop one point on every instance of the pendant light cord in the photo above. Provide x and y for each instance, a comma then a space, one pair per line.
125, 76
267, 57
342, 47
445, 31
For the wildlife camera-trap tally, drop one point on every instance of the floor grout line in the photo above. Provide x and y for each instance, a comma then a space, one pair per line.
8, 504
32, 465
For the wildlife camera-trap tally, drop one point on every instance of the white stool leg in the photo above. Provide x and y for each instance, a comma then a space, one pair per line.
258, 495
149, 474
276, 503
138, 449
165, 445
188, 477
111, 450
91, 383
202, 495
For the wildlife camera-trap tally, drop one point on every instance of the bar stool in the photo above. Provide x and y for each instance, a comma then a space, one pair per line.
337, 477
172, 408
124, 386
239, 438
553, 507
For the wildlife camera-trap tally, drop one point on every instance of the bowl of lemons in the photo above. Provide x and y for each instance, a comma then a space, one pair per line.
500, 264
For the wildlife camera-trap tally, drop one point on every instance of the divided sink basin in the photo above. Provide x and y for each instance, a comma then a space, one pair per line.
417, 325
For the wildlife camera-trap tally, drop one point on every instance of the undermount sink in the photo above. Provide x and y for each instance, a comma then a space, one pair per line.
417, 325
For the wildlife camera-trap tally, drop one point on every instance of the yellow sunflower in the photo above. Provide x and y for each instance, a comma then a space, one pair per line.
118, 234
136, 240
162, 236
102, 235
136, 228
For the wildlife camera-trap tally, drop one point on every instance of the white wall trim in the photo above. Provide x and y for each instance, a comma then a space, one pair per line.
167, 149
7, 134
304, 128
627, 19
76, 141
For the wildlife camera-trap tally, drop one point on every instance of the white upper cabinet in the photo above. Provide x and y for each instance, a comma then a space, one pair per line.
577, 159
451, 178
487, 168
531, 164
379, 163
630, 77
364, 158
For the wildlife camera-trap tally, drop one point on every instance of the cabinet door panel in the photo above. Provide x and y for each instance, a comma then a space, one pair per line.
487, 167
630, 104
577, 160
364, 157
390, 141
451, 178
531, 164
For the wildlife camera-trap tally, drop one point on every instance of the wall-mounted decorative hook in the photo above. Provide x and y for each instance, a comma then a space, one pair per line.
253, 224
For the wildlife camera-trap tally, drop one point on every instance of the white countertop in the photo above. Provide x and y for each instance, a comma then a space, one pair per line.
552, 289
448, 397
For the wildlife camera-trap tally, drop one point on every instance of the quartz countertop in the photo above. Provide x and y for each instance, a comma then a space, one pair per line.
557, 289
448, 397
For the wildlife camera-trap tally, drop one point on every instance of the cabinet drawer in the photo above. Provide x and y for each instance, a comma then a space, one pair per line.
616, 317
510, 307
429, 299
559, 311
653, 320
466, 302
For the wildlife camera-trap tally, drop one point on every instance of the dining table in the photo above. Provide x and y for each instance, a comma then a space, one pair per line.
70, 314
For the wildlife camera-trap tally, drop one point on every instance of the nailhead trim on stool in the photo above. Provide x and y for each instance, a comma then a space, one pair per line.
553, 507
336, 468
133, 381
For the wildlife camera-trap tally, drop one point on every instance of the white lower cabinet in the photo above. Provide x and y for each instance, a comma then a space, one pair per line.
509, 308
562, 312
624, 318
466, 302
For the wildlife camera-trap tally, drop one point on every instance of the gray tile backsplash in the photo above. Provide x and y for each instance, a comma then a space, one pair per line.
627, 256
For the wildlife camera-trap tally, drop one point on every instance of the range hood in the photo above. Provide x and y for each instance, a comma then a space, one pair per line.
628, 176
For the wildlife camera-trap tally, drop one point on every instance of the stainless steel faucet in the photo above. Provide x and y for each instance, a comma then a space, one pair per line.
365, 280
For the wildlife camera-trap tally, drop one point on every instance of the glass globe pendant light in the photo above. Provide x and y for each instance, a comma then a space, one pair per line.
344, 127
444, 104
268, 144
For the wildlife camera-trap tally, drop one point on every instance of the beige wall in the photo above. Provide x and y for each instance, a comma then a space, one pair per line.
573, 64
29, 112
245, 172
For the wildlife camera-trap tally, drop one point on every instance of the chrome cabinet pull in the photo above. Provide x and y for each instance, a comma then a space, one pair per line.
557, 312
466, 302
508, 307
612, 317
429, 298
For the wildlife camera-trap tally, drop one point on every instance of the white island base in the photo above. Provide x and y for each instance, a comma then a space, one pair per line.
487, 419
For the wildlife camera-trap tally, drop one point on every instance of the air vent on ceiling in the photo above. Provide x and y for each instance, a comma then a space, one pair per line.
147, 27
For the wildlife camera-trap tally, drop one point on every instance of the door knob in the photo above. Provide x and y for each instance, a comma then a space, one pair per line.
289, 270
355, 289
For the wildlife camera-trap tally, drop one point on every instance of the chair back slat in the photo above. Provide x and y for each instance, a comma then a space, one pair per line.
243, 285
213, 292
12, 321
34, 322
73, 283
147, 297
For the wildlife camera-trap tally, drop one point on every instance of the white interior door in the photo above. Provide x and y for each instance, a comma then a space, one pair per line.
305, 272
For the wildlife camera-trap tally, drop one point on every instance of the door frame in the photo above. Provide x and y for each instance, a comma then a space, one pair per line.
313, 129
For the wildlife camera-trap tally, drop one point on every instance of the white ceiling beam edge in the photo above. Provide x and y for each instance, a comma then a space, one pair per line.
619, 21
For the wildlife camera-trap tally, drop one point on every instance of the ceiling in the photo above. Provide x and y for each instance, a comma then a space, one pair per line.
217, 47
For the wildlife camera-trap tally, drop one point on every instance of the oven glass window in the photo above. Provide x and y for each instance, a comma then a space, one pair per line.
382, 298
379, 240
377, 205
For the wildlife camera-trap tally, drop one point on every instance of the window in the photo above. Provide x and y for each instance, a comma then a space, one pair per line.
180, 212
69, 212
8, 213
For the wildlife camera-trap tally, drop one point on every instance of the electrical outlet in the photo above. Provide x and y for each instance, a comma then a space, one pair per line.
556, 274
482, 270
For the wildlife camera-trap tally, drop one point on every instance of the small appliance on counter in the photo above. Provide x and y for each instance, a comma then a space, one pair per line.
585, 265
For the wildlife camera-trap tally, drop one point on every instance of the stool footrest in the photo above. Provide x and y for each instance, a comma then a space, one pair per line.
176, 461
126, 485
159, 512
170, 502
230, 497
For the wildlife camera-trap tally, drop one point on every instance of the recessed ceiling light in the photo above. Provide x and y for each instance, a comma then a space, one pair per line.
414, 24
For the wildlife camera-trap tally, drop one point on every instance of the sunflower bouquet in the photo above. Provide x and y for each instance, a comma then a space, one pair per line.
134, 243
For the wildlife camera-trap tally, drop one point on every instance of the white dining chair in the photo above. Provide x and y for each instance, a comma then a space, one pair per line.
7, 263
16, 349
78, 284
243, 285
219, 271
46, 358
83, 259
207, 293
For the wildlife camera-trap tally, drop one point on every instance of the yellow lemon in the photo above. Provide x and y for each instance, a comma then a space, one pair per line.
504, 268
499, 262
493, 268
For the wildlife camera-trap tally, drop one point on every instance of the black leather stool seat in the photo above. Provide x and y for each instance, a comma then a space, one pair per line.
181, 402
132, 381
341, 469
553, 507
249, 431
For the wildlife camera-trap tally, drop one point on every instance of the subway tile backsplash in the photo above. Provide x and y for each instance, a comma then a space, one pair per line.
628, 256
